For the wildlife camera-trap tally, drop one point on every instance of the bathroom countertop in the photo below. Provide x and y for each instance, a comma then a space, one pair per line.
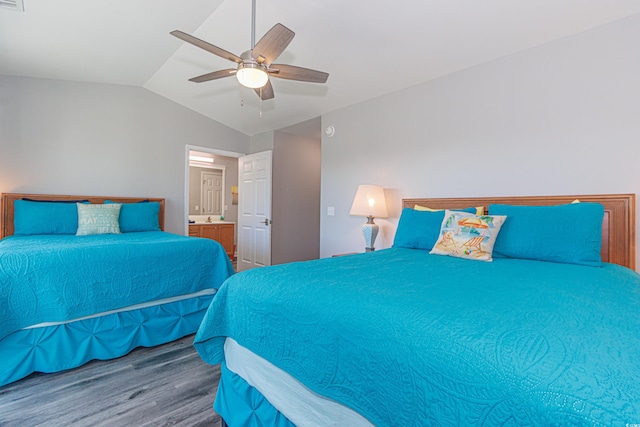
215, 221
207, 219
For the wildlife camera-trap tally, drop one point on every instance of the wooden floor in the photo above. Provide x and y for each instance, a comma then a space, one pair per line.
167, 385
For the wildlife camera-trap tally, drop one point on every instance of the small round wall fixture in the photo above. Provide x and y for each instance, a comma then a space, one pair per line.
330, 131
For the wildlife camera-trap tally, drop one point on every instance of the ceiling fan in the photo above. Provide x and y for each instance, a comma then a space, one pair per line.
256, 65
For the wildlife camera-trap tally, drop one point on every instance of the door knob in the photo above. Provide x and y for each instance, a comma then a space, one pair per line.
266, 221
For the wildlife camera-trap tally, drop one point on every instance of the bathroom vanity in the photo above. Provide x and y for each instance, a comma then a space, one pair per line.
220, 231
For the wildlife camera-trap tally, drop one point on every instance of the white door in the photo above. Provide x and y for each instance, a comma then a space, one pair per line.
254, 210
211, 200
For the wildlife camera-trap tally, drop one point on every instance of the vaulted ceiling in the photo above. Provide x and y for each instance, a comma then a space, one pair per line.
369, 48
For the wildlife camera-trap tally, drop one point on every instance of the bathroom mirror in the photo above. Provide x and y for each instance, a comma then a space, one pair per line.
212, 178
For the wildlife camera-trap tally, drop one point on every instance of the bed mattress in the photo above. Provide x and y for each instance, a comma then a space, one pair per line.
71, 299
56, 278
454, 341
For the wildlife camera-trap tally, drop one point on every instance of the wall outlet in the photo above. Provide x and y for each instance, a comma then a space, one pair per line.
331, 211
196, 207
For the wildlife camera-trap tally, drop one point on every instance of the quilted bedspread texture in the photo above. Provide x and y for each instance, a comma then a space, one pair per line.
56, 278
411, 339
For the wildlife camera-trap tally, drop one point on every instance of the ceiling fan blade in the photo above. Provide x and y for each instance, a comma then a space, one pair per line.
214, 75
267, 91
206, 46
272, 44
291, 72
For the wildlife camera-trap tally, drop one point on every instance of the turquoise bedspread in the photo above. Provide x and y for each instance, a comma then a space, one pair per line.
412, 339
56, 278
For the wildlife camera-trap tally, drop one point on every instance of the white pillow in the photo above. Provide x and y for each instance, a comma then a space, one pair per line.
98, 219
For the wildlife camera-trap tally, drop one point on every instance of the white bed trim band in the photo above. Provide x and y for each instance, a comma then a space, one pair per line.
129, 308
299, 404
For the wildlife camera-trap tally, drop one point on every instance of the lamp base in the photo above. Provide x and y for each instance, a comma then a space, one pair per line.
370, 231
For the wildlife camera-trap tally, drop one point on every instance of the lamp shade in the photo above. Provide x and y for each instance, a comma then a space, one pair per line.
369, 201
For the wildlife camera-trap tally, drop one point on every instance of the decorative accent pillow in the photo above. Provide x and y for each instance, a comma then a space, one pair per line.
479, 209
419, 229
469, 236
51, 217
141, 216
570, 233
98, 219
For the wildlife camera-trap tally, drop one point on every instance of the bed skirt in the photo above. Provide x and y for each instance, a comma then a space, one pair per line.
69, 345
239, 404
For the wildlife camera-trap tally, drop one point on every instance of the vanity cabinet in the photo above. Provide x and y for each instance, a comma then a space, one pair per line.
223, 233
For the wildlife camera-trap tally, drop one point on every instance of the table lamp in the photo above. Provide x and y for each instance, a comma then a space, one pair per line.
369, 202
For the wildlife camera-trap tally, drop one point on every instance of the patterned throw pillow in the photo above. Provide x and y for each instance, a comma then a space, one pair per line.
465, 235
98, 219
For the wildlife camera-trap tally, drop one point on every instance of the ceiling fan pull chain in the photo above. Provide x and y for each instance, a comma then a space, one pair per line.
260, 102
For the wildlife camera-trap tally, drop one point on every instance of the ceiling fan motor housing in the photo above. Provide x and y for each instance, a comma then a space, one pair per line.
251, 73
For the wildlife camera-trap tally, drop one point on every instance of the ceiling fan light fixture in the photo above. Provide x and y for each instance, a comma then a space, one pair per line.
252, 75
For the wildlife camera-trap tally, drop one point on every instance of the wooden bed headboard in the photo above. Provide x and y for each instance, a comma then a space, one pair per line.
6, 206
618, 224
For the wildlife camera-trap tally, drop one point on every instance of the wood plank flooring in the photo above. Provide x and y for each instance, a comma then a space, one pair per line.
168, 385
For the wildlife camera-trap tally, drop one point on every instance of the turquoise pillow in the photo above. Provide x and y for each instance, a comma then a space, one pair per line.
569, 234
420, 229
31, 217
98, 219
142, 216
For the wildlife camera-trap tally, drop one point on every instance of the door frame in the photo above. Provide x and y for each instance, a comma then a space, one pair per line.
187, 149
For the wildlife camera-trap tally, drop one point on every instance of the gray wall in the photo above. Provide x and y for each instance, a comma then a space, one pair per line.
262, 142
98, 139
558, 119
295, 233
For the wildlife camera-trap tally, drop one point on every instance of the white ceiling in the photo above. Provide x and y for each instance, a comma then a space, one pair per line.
370, 48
